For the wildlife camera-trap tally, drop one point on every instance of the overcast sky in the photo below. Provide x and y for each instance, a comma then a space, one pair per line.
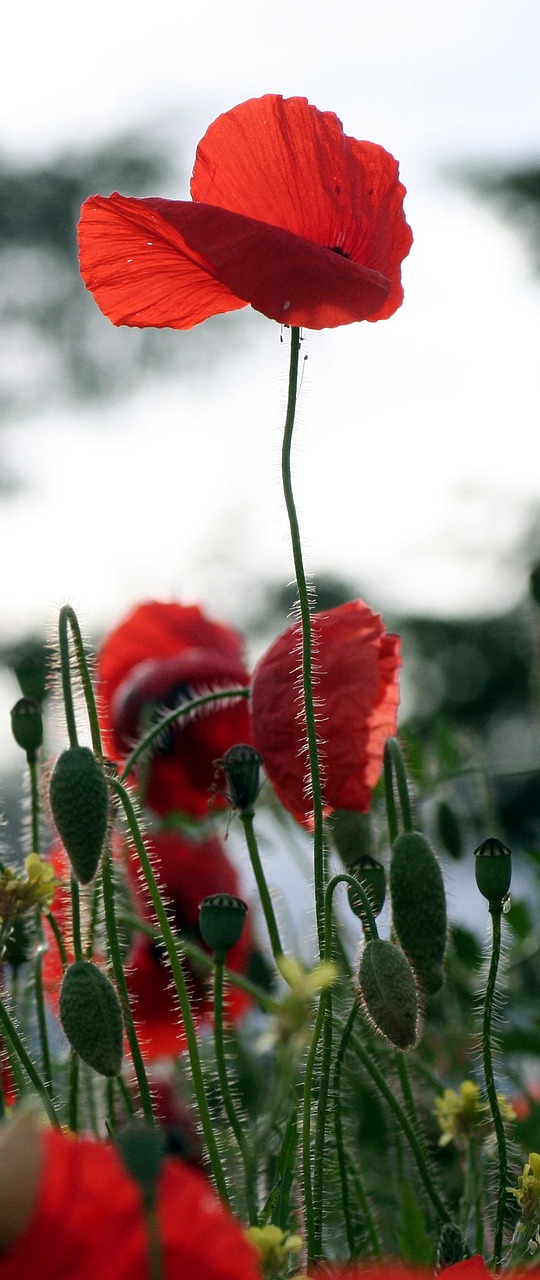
416, 459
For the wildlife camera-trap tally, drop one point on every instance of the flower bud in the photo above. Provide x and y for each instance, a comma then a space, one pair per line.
142, 1148
493, 871
419, 907
351, 835
27, 726
221, 921
450, 1247
371, 875
241, 765
79, 798
389, 994
91, 1017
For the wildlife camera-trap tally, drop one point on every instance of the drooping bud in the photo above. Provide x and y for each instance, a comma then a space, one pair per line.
91, 1017
79, 798
27, 726
419, 907
493, 871
241, 765
221, 921
372, 876
351, 835
388, 992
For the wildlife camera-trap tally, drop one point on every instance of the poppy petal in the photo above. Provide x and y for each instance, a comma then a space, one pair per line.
356, 669
140, 270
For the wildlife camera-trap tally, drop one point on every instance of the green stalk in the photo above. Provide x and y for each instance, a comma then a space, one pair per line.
180, 986
17, 1045
123, 995
228, 1101
490, 1086
394, 767
246, 818
369, 1221
307, 650
68, 622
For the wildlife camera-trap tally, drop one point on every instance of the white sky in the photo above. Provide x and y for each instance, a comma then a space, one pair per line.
416, 457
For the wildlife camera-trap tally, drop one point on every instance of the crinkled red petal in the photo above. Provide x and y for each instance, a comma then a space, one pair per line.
356, 687
140, 270
283, 162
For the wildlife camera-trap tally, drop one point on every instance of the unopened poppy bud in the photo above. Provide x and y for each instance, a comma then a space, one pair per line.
419, 907
371, 875
493, 870
79, 797
91, 1017
450, 1247
388, 992
351, 835
221, 921
241, 765
27, 726
142, 1148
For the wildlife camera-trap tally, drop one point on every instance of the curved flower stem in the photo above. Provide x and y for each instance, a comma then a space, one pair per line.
314, 1186
51, 920
394, 767
307, 648
73, 1092
120, 979
403, 1120
187, 709
246, 818
369, 1221
228, 1102
17, 1045
490, 1086
42, 946
180, 986
68, 622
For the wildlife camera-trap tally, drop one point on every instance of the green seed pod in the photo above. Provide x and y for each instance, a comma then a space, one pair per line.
91, 1017
241, 765
493, 870
79, 798
388, 990
371, 875
221, 921
351, 835
449, 830
27, 726
419, 907
450, 1247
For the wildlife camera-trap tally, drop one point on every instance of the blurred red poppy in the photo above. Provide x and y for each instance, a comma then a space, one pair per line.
356, 667
160, 656
187, 871
287, 213
470, 1269
84, 1217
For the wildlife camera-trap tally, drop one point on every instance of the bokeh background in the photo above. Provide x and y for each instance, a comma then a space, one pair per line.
138, 464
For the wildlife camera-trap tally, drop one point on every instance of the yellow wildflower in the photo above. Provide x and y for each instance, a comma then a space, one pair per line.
19, 893
459, 1114
273, 1245
527, 1192
293, 1015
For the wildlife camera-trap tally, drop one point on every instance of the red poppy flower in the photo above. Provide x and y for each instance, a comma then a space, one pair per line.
356, 668
470, 1269
160, 656
187, 870
287, 214
84, 1217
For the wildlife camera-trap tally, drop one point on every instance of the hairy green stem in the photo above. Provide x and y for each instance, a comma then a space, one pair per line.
307, 647
11, 1034
68, 622
246, 818
180, 986
123, 995
228, 1101
394, 767
490, 1087
369, 1221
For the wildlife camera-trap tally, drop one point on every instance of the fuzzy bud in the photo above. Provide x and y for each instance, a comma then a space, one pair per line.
388, 991
419, 907
371, 875
79, 797
91, 1017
